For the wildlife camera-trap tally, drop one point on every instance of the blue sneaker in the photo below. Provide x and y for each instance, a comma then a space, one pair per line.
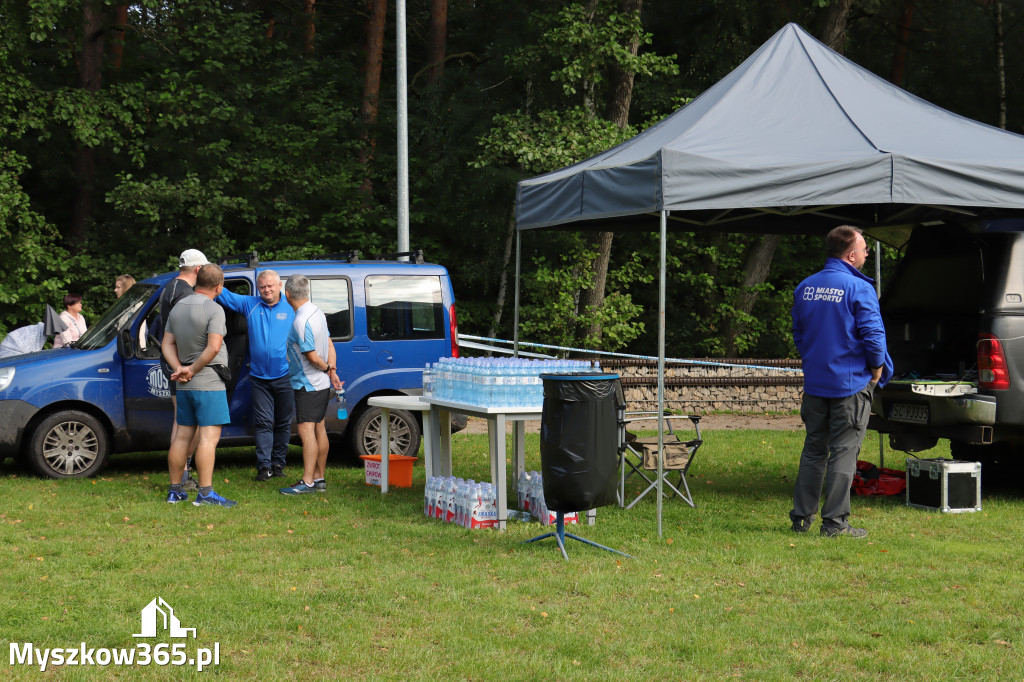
299, 488
174, 497
213, 498
320, 485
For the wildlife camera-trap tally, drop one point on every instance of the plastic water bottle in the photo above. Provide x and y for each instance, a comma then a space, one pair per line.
342, 405
487, 385
522, 490
428, 381
429, 495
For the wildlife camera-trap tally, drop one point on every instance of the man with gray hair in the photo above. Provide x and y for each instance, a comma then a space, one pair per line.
269, 318
312, 365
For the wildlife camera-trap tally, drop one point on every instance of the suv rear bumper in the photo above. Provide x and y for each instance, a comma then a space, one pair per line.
939, 410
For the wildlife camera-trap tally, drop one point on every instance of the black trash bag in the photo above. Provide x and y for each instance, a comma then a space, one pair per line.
579, 441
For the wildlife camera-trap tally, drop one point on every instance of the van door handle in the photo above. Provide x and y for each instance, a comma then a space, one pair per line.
361, 349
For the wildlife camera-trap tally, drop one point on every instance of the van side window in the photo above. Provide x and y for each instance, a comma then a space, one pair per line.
334, 298
242, 287
237, 326
404, 307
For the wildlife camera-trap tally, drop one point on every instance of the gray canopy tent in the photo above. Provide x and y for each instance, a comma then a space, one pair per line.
796, 139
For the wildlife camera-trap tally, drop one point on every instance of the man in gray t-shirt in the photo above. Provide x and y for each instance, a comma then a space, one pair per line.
192, 326
193, 342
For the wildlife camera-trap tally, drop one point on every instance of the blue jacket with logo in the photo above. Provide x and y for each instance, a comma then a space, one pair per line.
268, 332
837, 327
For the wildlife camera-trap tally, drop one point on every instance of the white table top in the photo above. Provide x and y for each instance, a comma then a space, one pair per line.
482, 410
400, 402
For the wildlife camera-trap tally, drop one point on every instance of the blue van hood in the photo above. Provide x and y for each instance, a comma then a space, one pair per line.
28, 359
60, 371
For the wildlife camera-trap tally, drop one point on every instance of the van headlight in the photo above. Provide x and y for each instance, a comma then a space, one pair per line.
6, 377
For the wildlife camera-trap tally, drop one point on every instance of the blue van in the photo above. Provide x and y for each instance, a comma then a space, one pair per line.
65, 410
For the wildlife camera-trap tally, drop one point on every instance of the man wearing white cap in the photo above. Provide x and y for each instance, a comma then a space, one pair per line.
178, 288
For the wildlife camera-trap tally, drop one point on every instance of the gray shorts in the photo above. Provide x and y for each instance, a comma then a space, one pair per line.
311, 406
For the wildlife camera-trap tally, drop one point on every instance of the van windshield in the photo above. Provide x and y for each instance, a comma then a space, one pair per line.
117, 317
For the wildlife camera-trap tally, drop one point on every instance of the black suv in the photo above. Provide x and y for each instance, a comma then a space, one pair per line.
954, 322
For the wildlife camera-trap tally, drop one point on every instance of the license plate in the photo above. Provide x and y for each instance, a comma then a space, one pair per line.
902, 412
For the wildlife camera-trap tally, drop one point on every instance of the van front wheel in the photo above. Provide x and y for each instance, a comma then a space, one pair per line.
69, 444
403, 433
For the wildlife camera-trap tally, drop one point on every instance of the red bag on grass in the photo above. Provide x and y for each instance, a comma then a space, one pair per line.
873, 480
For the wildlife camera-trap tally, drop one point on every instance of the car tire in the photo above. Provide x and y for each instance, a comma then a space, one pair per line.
403, 432
69, 444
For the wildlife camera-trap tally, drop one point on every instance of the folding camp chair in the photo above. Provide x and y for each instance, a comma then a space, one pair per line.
639, 457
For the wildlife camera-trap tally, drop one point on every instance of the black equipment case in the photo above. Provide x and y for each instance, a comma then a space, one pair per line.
946, 485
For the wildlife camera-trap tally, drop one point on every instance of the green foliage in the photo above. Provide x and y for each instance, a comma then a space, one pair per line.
33, 267
557, 284
218, 131
578, 48
581, 46
548, 141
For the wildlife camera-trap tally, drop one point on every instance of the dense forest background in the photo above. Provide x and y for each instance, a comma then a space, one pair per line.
132, 130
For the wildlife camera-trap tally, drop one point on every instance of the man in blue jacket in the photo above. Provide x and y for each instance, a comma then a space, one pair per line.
838, 330
273, 403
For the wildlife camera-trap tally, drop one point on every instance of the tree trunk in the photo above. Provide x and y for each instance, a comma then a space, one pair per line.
437, 39
899, 55
618, 113
835, 25
755, 270
510, 235
310, 36
90, 79
593, 298
118, 33
374, 50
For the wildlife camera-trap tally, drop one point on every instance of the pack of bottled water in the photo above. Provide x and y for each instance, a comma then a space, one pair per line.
496, 382
464, 502
531, 500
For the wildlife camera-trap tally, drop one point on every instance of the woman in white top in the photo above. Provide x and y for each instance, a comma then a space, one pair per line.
72, 317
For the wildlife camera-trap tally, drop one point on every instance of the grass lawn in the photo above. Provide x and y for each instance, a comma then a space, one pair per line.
352, 585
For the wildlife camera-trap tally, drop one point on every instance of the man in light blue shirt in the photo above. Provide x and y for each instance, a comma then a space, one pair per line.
312, 368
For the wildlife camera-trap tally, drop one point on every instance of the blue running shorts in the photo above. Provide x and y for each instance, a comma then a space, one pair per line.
203, 408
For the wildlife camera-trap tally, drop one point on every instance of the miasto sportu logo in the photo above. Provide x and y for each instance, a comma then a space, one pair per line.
827, 294
157, 618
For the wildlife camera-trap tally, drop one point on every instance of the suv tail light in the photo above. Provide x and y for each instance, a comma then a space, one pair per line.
454, 328
992, 369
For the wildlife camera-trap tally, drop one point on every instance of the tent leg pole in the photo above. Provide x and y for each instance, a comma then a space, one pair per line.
661, 361
878, 292
515, 308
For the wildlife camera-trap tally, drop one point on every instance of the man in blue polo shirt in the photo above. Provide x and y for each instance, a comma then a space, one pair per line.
837, 327
269, 318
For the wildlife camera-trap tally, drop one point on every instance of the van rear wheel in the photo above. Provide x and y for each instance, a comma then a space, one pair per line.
69, 444
403, 433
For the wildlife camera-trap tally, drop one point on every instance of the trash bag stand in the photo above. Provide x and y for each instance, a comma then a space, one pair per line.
560, 535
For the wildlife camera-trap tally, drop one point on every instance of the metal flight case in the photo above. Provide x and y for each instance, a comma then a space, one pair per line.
946, 485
